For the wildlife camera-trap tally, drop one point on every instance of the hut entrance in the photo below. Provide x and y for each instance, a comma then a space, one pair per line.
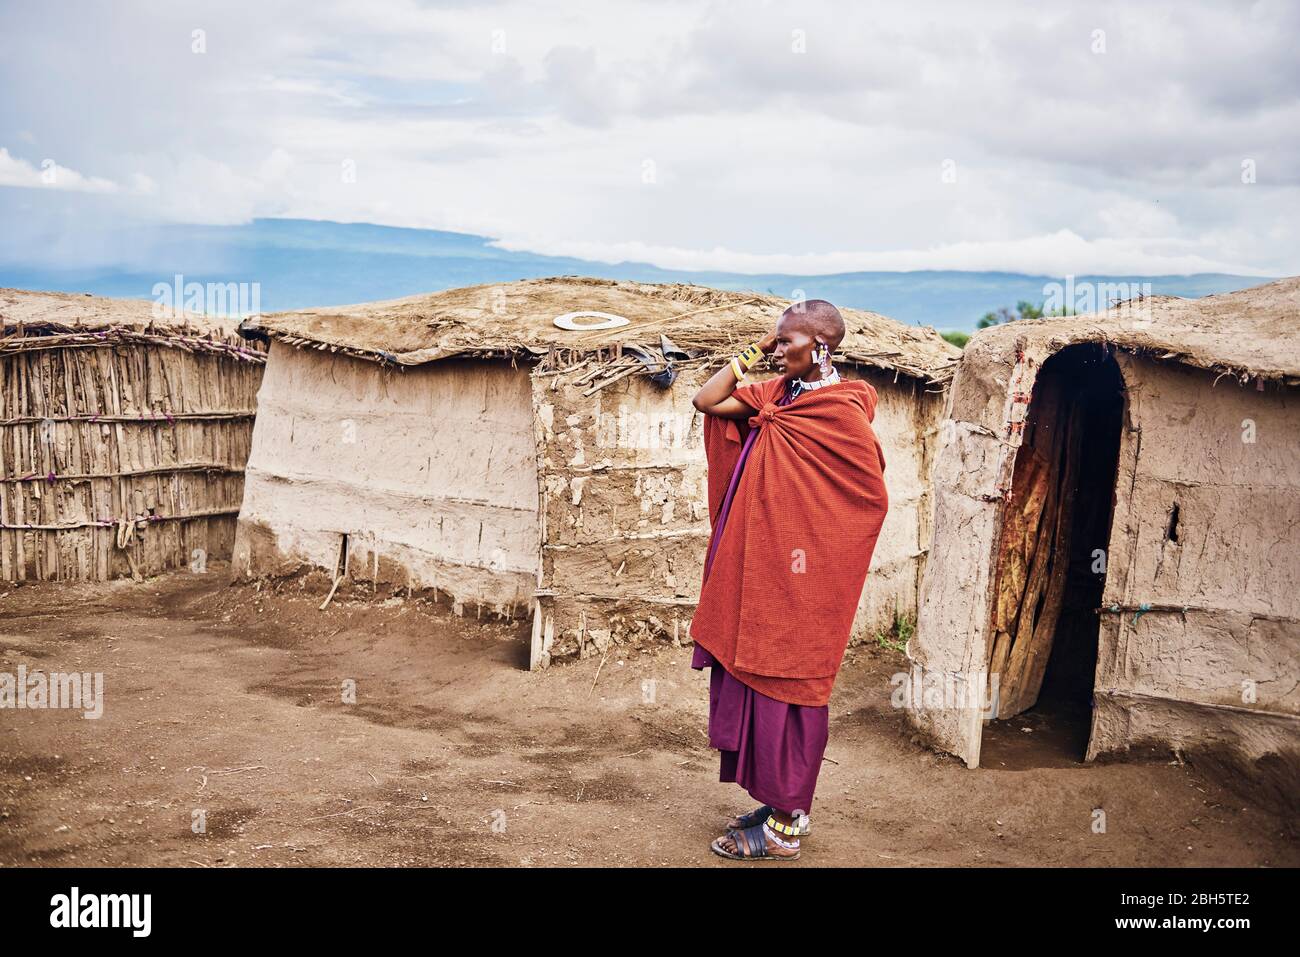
1051, 566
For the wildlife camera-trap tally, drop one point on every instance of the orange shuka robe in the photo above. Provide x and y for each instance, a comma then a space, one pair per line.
777, 606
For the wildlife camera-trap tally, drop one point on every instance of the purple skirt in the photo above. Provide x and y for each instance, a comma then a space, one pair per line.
771, 748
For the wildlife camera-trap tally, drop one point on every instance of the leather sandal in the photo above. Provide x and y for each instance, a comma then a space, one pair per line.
751, 843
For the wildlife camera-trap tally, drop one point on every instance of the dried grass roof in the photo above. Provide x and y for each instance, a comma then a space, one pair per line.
52, 320
516, 318
1250, 333
65, 311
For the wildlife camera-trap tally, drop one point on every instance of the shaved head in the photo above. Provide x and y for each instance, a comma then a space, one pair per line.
819, 319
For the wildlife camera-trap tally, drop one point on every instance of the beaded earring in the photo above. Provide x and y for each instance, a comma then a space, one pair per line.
823, 359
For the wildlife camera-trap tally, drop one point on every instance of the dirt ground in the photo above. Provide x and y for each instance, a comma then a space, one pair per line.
228, 700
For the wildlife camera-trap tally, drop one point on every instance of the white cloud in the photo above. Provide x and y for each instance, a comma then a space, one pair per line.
20, 173
1055, 254
536, 126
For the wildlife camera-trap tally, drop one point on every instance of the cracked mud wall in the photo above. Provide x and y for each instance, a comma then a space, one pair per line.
974, 460
1205, 534
492, 484
429, 472
974, 464
622, 481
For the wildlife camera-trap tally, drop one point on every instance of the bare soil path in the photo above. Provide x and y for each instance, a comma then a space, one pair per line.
228, 701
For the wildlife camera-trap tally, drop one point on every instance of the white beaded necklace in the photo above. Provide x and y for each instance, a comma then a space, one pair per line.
799, 386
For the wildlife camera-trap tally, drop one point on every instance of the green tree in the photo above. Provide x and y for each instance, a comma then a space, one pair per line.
995, 318
1024, 310
958, 339
1028, 310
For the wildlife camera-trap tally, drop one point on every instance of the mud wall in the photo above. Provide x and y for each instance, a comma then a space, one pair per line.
429, 473
625, 510
974, 458
1200, 645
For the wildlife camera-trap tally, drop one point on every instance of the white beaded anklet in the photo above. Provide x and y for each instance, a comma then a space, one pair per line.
772, 834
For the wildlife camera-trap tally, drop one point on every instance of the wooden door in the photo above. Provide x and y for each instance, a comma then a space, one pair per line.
1034, 549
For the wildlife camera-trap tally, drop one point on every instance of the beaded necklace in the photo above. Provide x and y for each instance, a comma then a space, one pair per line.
799, 386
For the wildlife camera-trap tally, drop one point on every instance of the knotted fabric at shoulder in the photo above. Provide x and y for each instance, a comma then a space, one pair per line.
766, 414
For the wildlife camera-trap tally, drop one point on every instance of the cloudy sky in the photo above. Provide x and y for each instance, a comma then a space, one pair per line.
797, 137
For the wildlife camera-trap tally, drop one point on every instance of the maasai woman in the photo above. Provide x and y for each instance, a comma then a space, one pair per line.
769, 684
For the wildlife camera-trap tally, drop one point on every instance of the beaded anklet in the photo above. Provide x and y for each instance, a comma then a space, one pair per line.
791, 830
767, 830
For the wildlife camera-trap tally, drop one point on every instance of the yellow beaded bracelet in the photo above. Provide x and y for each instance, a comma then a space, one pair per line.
750, 356
746, 360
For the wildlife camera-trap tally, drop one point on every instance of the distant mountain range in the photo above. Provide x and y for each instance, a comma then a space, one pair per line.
300, 263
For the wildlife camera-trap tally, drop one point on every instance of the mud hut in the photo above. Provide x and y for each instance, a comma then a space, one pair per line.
463, 443
123, 436
1117, 528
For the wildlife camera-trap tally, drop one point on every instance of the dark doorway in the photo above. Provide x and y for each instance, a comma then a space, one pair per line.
1052, 563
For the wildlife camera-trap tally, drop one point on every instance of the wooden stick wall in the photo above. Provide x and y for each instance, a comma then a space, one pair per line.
122, 459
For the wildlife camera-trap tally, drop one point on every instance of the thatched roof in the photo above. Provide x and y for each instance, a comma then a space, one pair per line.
45, 320
516, 319
1252, 333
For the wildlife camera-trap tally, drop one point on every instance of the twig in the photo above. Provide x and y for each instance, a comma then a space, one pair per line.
610, 381
603, 659
603, 369
331, 594
568, 369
